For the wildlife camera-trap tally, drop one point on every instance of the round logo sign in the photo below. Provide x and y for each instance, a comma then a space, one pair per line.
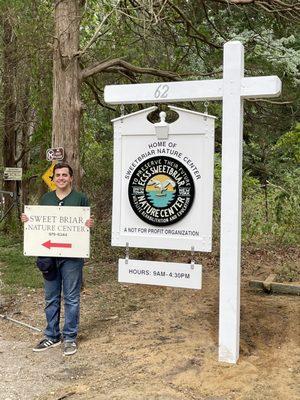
161, 191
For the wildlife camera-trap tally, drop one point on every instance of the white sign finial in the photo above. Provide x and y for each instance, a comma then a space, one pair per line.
162, 127
162, 116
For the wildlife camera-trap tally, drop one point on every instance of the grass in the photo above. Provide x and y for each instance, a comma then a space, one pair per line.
17, 270
288, 273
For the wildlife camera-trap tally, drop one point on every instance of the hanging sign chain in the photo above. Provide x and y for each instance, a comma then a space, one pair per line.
206, 104
192, 257
127, 253
122, 109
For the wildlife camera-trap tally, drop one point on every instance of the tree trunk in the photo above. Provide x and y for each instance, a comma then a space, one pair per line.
27, 116
66, 83
8, 97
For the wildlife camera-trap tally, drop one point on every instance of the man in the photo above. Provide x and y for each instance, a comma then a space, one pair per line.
66, 276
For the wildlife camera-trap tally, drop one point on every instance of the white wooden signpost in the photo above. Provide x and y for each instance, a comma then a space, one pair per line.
57, 231
232, 90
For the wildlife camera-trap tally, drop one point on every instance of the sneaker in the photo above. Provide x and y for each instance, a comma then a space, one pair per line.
45, 344
70, 348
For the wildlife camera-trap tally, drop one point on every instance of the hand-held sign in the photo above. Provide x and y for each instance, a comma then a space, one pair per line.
89, 222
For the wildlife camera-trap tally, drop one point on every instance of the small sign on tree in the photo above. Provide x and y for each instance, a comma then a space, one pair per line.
55, 154
12, 174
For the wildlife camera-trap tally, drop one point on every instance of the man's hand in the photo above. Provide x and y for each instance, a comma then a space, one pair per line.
90, 222
24, 218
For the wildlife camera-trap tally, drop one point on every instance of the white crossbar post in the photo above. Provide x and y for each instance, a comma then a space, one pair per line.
230, 251
232, 90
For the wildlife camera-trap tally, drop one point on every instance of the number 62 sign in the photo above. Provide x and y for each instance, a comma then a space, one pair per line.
161, 92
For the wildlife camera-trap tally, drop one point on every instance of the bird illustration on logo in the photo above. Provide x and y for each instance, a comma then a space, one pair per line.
160, 190
161, 186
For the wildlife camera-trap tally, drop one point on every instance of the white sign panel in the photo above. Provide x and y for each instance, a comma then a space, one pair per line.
163, 188
12, 174
57, 231
160, 273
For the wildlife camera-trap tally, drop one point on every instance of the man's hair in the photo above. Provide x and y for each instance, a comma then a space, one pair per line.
62, 165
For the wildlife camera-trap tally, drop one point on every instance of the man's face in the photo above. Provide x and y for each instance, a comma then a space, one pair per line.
62, 178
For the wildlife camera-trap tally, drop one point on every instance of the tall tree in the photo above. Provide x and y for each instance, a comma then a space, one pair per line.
99, 42
9, 95
68, 76
67, 106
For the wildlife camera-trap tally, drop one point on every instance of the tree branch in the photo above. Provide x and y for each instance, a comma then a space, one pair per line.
97, 98
210, 22
104, 66
270, 101
190, 26
21, 155
289, 9
121, 66
97, 33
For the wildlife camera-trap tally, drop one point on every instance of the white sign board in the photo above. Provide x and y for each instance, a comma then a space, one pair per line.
57, 231
12, 174
160, 273
163, 188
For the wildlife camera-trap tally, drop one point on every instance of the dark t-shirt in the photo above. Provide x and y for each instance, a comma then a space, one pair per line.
73, 199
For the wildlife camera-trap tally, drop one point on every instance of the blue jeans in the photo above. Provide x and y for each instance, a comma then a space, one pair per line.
68, 281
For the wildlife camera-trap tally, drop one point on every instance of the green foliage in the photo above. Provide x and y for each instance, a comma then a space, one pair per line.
97, 159
14, 228
182, 37
17, 270
288, 273
288, 148
271, 214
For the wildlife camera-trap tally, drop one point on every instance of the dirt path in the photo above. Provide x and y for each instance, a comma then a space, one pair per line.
140, 342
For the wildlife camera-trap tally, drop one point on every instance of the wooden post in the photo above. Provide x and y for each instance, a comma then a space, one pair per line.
230, 251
